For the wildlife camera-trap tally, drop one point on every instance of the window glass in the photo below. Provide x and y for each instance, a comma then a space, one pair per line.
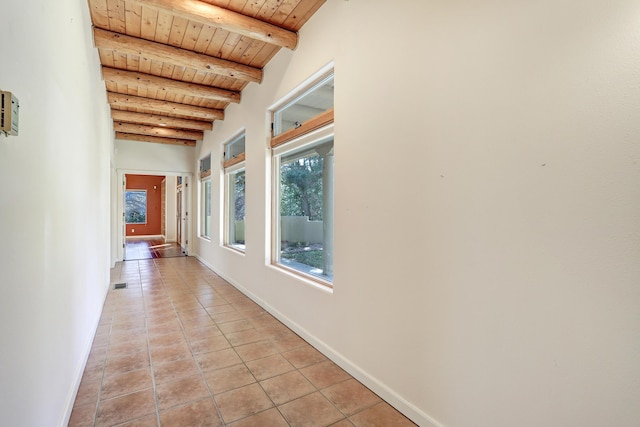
205, 226
136, 206
234, 148
205, 196
302, 153
235, 204
314, 101
304, 209
234, 192
205, 166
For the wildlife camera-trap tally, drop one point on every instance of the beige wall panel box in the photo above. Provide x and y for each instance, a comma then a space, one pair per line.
8, 113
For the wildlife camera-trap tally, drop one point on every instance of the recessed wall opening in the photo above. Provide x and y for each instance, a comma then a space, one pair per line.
150, 217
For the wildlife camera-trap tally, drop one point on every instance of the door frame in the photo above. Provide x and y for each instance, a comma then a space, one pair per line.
179, 214
119, 227
123, 224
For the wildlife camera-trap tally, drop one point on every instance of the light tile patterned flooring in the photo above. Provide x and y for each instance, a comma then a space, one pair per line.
182, 347
151, 248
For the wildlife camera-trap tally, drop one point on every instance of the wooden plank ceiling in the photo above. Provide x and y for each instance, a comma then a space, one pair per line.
171, 67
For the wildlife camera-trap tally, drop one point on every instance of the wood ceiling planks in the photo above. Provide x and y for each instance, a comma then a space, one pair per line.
228, 20
170, 56
171, 67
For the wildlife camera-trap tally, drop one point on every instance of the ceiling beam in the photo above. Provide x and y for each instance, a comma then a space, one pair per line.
124, 44
208, 14
158, 131
156, 139
156, 120
157, 105
164, 85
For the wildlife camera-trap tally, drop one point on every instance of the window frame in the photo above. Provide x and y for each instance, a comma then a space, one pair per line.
317, 122
146, 205
316, 137
231, 166
229, 215
205, 166
204, 197
309, 87
205, 229
228, 160
311, 131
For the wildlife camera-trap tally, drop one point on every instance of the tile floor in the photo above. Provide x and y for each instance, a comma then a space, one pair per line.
150, 248
182, 347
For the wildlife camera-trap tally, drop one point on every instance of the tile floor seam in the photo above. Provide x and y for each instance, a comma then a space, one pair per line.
211, 394
206, 383
288, 401
243, 362
358, 411
187, 285
344, 416
153, 378
97, 404
104, 366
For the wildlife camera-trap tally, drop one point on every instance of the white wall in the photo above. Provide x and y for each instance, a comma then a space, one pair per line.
171, 209
509, 131
54, 208
149, 158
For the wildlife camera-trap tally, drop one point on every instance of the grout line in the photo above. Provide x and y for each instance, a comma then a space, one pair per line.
195, 360
177, 283
106, 355
153, 378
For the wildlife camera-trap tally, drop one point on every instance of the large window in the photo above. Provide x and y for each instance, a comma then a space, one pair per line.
234, 169
136, 206
205, 197
303, 160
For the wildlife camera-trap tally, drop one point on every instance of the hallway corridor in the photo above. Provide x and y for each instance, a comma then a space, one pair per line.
181, 347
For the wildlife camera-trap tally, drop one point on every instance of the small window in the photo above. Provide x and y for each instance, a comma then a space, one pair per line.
234, 151
205, 166
234, 199
235, 209
136, 206
310, 104
205, 197
303, 162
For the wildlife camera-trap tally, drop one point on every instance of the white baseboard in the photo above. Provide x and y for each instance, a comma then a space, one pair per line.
390, 396
73, 392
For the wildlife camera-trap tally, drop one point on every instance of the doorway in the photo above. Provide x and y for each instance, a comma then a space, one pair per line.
179, 212
149, 205
182, 213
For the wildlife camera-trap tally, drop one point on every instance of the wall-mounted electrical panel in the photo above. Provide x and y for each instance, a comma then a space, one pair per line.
9, 107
